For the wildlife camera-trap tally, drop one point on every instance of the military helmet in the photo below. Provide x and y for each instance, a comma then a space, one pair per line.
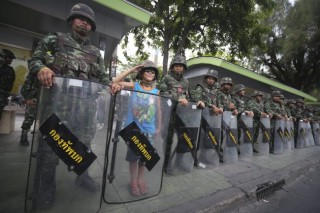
282, 97
299, 100
256, 93
275, 94
83, 10
239, 87
226, 80
291, 101
212, 73
7, 53
148, 65
179, 59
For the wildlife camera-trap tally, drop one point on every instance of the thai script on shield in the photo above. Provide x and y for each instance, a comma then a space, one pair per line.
76, 155
140, 145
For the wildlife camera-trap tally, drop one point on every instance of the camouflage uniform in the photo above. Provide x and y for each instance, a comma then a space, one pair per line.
273, 108
7, 77
204, 92
69, 55
257, 107
176, 87
29, 91
224, 98
299, 114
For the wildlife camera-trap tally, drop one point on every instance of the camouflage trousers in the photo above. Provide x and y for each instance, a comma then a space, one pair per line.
29, 117
79, 115
3, 101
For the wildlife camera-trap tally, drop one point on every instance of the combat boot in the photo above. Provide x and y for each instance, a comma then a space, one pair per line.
86, 182
24, 138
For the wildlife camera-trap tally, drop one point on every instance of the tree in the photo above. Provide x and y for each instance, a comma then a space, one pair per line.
204, 27
292, 47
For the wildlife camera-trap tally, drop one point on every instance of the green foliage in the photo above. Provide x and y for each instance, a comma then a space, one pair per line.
204, 27
291, 49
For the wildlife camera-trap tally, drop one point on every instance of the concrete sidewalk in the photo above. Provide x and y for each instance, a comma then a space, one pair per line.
202, 190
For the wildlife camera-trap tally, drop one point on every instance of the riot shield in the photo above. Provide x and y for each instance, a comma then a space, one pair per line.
292, 134
287, 136
67, 153
209, 145
310, 138
136, 152
230, 138
279, 138
316, 133
301, 135
264, 136
246, 137
187, 126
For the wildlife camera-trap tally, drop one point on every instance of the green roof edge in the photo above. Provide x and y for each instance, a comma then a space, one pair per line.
128, 9
245, 72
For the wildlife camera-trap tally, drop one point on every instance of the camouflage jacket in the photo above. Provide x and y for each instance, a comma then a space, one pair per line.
287, 111
255, 107
69, 55
272, 107
7, 77
174, 87
241, 103
298, 113
223, 100
29, 90
206, 94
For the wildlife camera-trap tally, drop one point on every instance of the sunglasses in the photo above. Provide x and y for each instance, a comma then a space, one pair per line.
150, 71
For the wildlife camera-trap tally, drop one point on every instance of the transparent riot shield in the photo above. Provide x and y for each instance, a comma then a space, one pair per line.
287, 136
264, 137
68, 152
246, 137
279, 137
316, 133
310, 138
230, 137
209, 145
292, 134
136, 150
187, 126
301, 135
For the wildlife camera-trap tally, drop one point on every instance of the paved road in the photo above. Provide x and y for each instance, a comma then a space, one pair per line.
301, 196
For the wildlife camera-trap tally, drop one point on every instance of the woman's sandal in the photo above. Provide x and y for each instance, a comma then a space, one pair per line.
134, 189
143, 188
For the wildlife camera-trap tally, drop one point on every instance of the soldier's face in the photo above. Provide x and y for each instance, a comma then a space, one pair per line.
226, 87
241, 93
81, 25
276, 99
178, 69
8, 60
210, 81
259, 97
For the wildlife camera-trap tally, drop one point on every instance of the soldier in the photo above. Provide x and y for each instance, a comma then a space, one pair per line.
298, 114
7, 77
290, 108
224, 99
207, 91
29, 91
273, 108
241, 100
241, 104
175, 86
80, 60
256, 105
